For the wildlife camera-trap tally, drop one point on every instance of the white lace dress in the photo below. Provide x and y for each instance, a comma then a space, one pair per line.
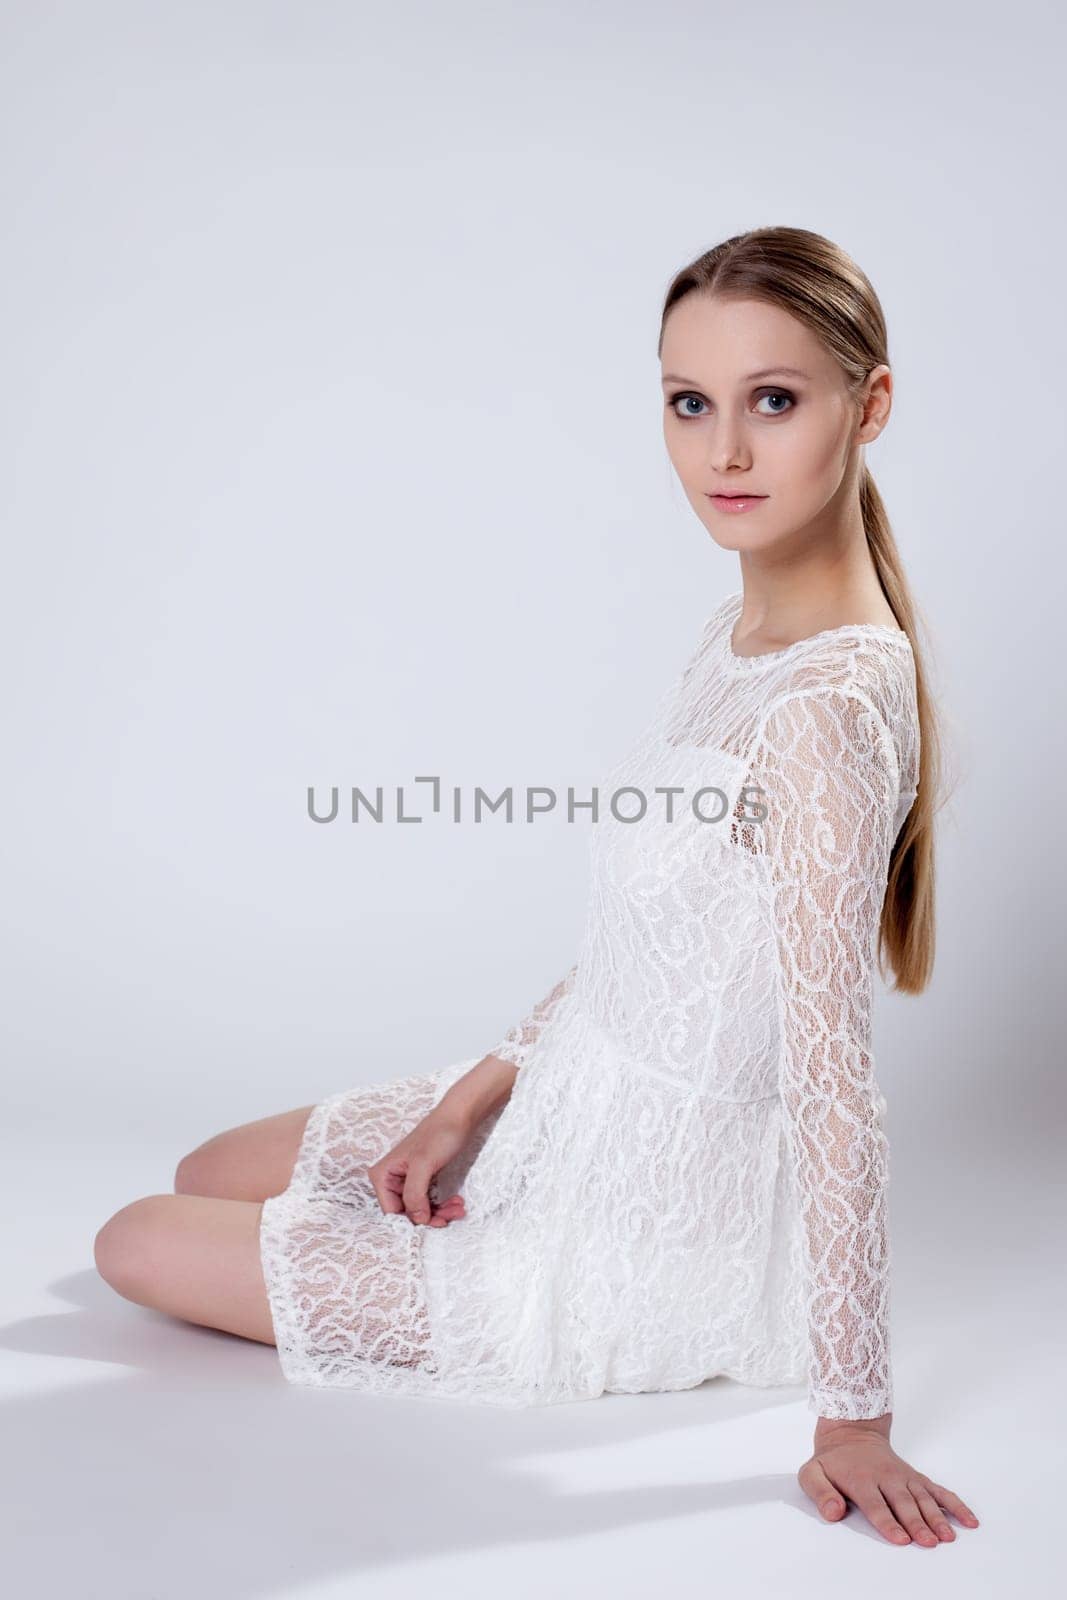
690, 1175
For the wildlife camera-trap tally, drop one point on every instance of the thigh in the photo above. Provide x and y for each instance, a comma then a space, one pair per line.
191, 1256
249, 1162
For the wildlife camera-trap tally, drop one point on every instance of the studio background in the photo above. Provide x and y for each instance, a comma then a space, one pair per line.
334, 456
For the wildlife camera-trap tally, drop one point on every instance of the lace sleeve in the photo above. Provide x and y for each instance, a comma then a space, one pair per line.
829, 769
520, 1039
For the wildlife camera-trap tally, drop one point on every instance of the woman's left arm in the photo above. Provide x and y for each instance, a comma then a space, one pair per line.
828, 767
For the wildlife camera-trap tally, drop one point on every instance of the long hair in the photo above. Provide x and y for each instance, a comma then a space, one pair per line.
818, 283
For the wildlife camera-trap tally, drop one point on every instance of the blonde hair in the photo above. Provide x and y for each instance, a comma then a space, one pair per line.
818, 283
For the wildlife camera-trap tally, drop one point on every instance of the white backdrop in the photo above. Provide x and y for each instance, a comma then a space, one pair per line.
334, 456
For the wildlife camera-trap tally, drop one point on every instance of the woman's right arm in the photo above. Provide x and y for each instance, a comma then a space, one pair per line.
480, 1092
488, 1085
518, 1043
403, 1176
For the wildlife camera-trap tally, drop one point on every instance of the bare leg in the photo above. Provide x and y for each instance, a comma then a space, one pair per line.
249, 1162
195, 1254
192, 1257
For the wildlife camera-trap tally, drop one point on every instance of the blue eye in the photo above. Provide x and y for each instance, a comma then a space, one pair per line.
778, 394
688, 398
684, 396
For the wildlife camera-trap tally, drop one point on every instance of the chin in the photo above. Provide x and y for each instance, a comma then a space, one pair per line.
733, 537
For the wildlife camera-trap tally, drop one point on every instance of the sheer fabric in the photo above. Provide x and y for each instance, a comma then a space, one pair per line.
519, 1042
690, 1177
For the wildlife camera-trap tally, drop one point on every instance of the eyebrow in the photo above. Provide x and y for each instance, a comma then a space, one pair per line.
766, 372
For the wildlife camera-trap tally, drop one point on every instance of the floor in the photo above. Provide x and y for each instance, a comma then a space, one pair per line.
150, 1459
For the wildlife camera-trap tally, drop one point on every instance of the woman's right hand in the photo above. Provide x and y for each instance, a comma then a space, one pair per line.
402, 1178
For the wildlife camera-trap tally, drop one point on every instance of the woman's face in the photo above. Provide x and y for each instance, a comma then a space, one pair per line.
736, 420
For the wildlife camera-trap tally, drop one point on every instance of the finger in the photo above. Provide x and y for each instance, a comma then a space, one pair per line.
908, 1514
952, 1502
871, 1501
451, 1210
931, 1510
389, 1187
817, 1486
416, 1197
879, 1514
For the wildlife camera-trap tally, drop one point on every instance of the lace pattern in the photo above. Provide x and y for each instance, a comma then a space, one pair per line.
690, 1177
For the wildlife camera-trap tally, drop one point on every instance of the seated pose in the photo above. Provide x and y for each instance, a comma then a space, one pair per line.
675, 1167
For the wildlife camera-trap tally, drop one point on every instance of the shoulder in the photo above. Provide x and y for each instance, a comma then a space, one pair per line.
854, 681
832, 728
871, 663
725, 614
717, 624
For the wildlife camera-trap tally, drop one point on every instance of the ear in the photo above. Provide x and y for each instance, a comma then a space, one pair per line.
876, 402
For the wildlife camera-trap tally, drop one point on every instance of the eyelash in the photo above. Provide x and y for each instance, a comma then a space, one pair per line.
688, 394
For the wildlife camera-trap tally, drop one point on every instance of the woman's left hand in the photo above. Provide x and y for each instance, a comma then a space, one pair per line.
855, 1461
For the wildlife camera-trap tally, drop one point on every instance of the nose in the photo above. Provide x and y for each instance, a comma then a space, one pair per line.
728, 447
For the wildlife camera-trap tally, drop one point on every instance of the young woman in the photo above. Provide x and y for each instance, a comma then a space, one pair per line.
675, 1167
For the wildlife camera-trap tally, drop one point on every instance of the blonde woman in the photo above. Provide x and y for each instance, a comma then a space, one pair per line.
675, 1167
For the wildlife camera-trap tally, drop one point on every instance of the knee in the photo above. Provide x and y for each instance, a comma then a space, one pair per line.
187, 1173
122, 1248
203, 1170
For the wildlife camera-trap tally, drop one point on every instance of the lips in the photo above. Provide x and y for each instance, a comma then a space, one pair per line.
736, 504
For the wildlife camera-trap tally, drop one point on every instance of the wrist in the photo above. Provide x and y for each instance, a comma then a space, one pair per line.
846, 1427
481, 1091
